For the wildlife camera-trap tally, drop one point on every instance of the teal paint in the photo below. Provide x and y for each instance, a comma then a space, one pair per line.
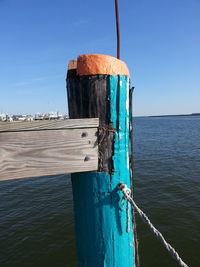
100, 220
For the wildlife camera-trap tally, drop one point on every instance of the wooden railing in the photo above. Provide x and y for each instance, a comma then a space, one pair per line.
43, 148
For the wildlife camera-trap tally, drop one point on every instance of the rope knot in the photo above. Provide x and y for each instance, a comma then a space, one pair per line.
127, 194
125, 190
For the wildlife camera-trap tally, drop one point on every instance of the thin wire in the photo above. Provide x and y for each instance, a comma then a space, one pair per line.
117, 28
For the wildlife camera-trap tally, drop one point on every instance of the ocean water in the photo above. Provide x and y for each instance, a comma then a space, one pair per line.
36, 222
167, 187
36, 215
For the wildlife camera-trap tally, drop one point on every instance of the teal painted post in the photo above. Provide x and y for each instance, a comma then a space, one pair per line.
100, 218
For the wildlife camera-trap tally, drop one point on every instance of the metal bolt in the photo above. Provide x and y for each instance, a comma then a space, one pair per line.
86, 158
84, 134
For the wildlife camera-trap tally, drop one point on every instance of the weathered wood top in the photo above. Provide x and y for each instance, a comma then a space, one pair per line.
49, 125
48, 148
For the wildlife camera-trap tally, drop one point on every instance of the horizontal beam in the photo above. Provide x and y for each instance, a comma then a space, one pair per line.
48, 125
48, 149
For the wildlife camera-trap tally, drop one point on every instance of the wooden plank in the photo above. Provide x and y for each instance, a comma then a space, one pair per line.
47, 152
48, 125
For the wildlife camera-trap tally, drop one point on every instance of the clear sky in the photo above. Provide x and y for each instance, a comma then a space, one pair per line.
160, 42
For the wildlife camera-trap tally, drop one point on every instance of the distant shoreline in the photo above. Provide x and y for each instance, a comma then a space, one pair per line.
177, 115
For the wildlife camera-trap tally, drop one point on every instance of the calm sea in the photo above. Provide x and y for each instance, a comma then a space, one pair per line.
36, 215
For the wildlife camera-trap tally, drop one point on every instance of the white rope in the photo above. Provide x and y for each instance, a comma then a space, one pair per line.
127, 195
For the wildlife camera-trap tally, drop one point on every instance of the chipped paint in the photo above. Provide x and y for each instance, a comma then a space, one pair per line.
120, 136
127, 96
127, 162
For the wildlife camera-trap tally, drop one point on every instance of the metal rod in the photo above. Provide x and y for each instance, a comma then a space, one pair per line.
117, 28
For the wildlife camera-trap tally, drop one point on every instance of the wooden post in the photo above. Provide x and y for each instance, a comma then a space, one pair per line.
99, 87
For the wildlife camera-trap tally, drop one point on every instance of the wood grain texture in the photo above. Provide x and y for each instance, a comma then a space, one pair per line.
50, 152
49, 125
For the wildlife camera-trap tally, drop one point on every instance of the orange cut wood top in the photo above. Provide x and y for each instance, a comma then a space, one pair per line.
92, 64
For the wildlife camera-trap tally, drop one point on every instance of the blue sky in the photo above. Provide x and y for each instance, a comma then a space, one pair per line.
160, 42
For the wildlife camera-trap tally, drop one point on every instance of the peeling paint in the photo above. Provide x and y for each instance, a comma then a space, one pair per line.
127, 160
120, 136
127, 97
